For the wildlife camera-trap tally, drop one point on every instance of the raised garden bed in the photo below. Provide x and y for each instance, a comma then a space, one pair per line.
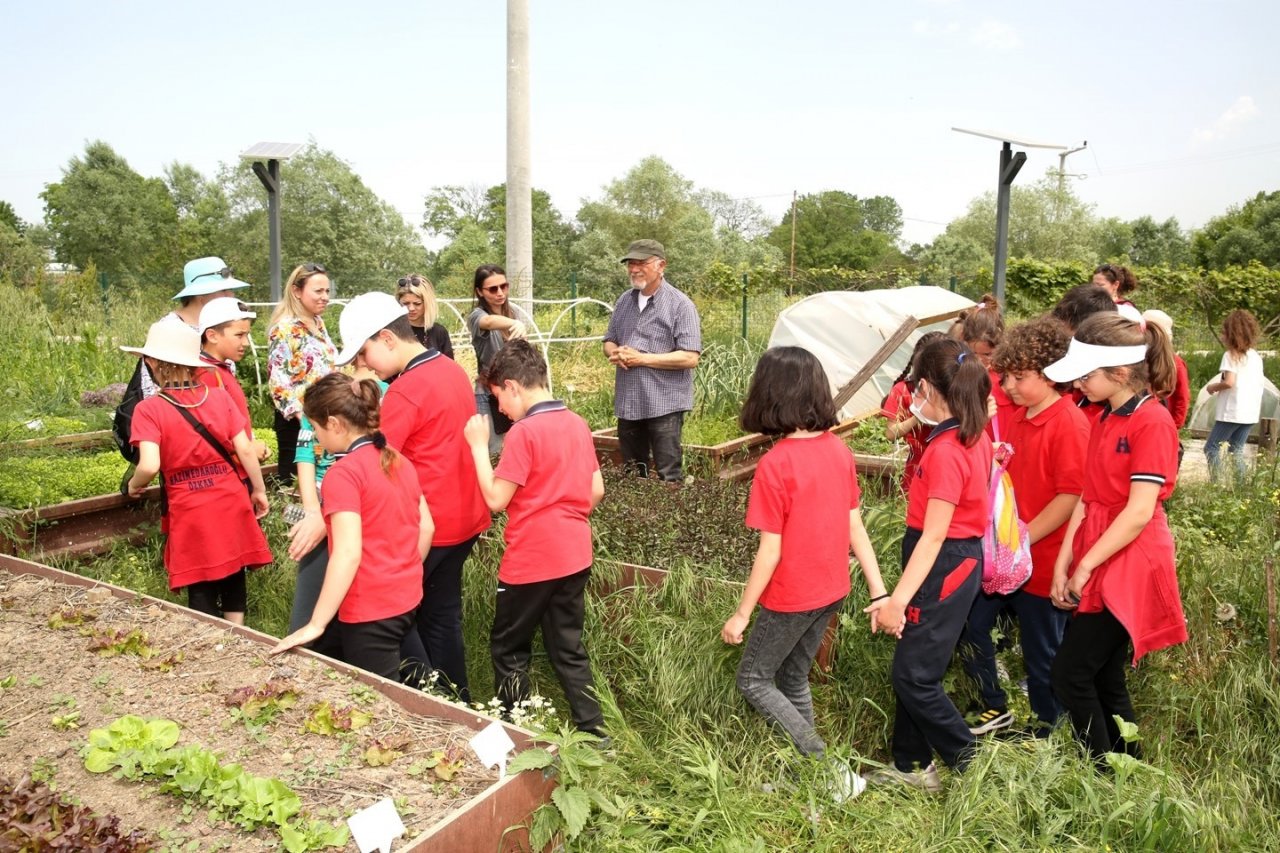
161, 661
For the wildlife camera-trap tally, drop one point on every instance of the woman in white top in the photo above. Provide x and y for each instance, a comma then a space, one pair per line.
1239, 390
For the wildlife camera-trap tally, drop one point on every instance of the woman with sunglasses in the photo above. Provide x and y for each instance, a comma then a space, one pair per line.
418, 296
492, 323
300, 353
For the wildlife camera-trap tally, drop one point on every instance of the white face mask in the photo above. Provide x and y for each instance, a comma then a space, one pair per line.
920, 416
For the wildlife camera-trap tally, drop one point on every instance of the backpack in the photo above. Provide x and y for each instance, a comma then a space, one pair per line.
122, 418
1006, 544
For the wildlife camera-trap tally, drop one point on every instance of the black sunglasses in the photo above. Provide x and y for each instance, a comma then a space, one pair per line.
312, 268
225, 272
408, 281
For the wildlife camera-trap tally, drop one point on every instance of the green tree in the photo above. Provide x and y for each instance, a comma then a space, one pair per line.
9, 217
837, 229
105, 213
204, 213
552, 236
21, 260
1248, 232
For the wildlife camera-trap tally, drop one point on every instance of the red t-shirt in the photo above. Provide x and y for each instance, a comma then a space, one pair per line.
803, 490
389, 580
1179, 401
219, 374
1048, 460
211, 531
897, 407
959, 475
423, 413
550, 456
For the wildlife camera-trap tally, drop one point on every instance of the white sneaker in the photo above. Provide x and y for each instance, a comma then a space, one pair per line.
926, 779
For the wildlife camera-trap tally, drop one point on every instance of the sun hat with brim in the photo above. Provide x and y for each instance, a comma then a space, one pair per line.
224, 309
207, 275
175, 343
643, 250
363, 318
1082, 358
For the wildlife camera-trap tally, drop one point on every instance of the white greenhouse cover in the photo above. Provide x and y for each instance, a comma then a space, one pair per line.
1204, 412
844, 329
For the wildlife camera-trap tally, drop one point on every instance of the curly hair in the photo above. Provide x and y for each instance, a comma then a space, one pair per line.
1031, 346
1240, 331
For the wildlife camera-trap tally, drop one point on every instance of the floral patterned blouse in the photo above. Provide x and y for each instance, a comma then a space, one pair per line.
297, 358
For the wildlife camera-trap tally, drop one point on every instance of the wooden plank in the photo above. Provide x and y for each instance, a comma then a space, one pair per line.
888, 348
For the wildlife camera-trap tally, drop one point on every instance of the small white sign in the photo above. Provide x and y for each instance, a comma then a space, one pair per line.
376, 827
492, 745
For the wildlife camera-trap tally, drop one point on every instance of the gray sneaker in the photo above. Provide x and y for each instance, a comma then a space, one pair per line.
926, 779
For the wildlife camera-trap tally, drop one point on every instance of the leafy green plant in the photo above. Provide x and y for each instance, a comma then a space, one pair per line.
575, 758
34, 818
443, 763
262, 703
70, 617
324, 719
110, 643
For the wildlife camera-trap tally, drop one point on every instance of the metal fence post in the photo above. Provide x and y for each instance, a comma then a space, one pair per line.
102, 286
573, 310
953, 284
744, 306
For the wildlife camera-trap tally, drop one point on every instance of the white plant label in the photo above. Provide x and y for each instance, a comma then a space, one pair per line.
492, 745
376, 827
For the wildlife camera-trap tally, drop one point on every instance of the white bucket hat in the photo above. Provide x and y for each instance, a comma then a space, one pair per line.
175, 343
363, 318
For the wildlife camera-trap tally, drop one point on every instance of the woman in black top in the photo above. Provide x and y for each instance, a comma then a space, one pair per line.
417, 295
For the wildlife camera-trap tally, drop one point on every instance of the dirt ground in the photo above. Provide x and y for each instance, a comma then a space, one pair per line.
55, 675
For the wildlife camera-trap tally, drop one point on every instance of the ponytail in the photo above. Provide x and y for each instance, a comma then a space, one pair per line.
953, 371
1157, 371
1162, 370
355, 401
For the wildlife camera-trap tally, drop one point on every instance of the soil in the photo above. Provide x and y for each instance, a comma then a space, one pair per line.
56, 673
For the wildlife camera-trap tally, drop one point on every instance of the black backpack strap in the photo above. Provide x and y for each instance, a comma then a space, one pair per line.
201, 429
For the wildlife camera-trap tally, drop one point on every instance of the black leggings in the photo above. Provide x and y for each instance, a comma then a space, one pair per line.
225, 595
1088, 675
286, 430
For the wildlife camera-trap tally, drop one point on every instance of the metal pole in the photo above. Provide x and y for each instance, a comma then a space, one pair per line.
744, 306
519, 186
273, 226
1010, 163
793, 240
573, 307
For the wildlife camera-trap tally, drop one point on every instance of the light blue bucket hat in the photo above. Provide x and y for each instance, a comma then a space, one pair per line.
207, 275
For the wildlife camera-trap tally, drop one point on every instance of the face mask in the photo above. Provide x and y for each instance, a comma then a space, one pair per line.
920, 416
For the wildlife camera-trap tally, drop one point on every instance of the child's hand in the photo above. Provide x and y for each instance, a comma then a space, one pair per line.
733, 629
261, 450
135, 491
887, 616
992, 408
476, 431
306, 634
306, 535
260, 504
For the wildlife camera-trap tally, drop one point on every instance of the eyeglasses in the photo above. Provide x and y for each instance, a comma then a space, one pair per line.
1089, 375
225, 272
497, 288
314, 268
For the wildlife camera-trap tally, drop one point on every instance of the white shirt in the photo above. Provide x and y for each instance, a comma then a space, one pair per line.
1241, 404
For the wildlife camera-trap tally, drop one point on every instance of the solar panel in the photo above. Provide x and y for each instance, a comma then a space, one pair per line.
1006, 137
271, 151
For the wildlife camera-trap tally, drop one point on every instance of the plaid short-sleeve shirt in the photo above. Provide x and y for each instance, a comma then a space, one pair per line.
669, 322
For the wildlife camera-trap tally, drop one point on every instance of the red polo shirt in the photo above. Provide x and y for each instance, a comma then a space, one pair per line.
897, 407
1048, 460
959, 475
803, 490
423, 413
1004, 407
218, 374
1092, 411
389, 580
1179, 401
550, 456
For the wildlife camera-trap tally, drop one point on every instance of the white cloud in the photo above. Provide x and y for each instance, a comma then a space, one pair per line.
1227, 124
995, 35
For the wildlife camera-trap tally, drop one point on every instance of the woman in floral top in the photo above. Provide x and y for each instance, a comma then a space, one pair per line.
300, 353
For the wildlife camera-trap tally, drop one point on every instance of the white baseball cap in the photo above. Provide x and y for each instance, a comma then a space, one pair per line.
363, 318
224, 309
175, 343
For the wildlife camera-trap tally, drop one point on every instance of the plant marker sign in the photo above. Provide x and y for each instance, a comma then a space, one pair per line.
492, 745
376, 827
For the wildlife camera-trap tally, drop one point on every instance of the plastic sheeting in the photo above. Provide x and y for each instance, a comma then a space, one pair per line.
1204, 412
844, 329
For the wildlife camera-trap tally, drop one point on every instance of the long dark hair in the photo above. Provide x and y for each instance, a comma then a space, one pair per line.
1080, 302
355, 401
483, 272
952, 370
789, 391
925, 339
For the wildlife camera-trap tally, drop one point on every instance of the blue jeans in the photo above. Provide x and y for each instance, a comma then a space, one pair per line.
774, 672
1040, 626
1236, 435
661, 435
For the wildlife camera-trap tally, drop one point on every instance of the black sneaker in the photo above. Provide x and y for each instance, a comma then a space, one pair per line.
991, 720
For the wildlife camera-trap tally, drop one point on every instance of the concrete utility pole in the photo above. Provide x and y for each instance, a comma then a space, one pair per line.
519, 263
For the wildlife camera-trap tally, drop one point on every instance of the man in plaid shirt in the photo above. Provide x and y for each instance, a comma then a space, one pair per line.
654, 341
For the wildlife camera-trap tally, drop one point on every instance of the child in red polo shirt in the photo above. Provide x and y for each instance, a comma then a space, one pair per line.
1116, 567
211, 533
548, 481
423, 413
224, 338
1076, 305
379, 530
903, 424
982, 329
804, 501
1049, 436
947, 512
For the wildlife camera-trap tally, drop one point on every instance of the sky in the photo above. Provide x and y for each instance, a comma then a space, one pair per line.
1178, 100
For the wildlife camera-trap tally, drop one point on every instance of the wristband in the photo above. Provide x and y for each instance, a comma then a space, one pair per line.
880, 598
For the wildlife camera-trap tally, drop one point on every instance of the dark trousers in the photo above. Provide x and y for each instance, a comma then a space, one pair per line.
558, 607
1089, 677
286, 430
375, 646
659, 436
225, 595
774, 672
306, 591
440, 616
926, 719
1040, 626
